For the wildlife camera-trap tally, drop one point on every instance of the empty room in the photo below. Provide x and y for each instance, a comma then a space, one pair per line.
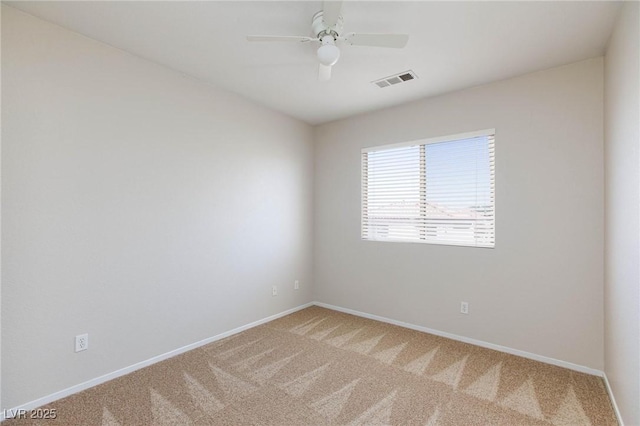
320, 213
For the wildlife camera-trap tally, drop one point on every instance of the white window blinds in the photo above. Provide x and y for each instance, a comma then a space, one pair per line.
438, 191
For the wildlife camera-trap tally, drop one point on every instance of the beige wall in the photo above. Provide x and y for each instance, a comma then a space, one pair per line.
540, 290
622, 213
139, 206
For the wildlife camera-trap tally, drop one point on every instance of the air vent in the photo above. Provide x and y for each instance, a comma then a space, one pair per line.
395, 79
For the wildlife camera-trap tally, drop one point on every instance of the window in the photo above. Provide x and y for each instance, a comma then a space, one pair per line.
436, 191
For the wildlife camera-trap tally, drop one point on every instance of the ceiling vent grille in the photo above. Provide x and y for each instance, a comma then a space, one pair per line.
395, 79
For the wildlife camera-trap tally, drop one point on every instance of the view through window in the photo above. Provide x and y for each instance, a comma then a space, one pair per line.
439, 191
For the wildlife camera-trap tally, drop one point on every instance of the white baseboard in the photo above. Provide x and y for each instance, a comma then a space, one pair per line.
613, 399
481, 343
126, 370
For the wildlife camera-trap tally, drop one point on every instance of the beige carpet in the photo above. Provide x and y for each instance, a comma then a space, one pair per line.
319, 367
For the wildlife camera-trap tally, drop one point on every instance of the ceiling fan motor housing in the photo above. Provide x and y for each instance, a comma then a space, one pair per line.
320, 29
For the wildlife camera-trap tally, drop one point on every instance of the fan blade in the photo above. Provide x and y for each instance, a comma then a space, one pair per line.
378, 40
300, 39
331, 12
324, 73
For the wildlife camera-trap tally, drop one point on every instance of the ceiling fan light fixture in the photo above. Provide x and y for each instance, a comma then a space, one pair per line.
328, 53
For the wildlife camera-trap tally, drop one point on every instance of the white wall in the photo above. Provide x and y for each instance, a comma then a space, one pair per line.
0, 220
540, 290
622, 213
140, 206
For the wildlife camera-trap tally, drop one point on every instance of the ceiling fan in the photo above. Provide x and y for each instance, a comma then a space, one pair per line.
326, 29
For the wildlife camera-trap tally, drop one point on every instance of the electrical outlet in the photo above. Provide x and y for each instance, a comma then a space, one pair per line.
82, 342
296, 285
274, 291
464, 307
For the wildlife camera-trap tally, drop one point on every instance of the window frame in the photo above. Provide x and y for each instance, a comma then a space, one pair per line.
427, 141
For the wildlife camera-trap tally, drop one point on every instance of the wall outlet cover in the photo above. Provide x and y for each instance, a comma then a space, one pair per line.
82, 342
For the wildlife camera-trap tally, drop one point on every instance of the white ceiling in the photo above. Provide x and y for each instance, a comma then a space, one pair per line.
452, 45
